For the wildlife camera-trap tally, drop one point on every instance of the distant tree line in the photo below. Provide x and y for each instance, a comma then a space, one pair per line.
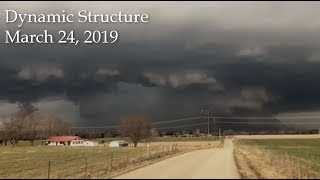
28, 124
266, 132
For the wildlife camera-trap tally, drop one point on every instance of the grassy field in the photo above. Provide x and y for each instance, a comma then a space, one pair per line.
308, 149
304, 151
25, 161
65, 162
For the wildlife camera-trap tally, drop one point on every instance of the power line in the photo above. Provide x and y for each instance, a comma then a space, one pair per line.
221, 117
157, 122
241, 123
182, 126
110, 127
95, 127
177, 120
226, 122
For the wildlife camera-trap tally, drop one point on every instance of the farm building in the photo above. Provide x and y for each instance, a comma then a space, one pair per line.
118, 143
69, 141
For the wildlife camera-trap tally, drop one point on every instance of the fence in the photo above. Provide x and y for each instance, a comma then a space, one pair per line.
116, 160
77, 162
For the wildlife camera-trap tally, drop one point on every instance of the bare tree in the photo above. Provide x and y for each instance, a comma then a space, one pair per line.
154, 132
197, 132
55, 126
15, 126
32, 127
3, 138
136, 127
27, 124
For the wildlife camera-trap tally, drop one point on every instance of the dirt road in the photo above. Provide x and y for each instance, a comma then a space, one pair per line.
200, 164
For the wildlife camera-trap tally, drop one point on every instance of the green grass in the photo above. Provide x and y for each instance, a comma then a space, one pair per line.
305, 149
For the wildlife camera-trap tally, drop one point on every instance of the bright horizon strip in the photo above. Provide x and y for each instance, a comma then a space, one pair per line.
267, 122
242, 117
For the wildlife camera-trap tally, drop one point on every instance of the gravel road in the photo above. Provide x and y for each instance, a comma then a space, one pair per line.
200, 164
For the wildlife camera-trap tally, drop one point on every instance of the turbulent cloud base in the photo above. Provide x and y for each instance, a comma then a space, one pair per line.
239, 58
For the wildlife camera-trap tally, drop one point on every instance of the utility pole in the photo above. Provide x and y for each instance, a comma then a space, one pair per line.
208, 117
214, 124
205, 114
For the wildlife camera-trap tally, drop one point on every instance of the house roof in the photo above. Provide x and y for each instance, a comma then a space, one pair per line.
63, 138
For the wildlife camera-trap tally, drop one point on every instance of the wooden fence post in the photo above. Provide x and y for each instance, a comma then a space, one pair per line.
162, 149
111, 159
49, 169
157, 150
86, 168
127, 157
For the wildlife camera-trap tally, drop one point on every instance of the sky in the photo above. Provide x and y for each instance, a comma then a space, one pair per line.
235, 58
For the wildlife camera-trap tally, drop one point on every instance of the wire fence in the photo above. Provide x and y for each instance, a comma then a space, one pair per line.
97, 162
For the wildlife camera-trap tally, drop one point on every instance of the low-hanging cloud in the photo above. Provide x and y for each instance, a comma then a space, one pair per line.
180, 80
40, 74
243, 58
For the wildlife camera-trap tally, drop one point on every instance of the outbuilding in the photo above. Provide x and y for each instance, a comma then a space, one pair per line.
118, 143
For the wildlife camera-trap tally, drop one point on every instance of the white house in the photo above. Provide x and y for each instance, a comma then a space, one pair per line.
61, 140
69, 141
82, 142
118, 143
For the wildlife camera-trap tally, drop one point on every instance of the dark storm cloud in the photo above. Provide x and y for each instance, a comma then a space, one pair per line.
243, 58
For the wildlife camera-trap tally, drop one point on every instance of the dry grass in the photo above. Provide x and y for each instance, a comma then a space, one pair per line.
66, 162
69, 162
245, 168
255, 161
190, 145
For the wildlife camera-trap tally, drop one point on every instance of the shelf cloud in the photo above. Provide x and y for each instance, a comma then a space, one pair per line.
236, 58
